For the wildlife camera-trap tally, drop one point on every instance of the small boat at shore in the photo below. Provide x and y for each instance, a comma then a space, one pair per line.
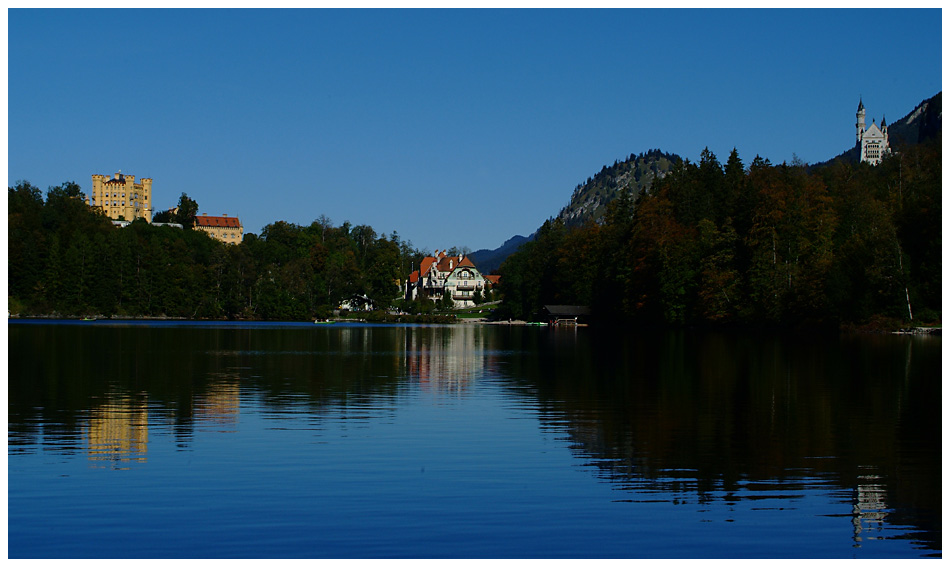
322, 322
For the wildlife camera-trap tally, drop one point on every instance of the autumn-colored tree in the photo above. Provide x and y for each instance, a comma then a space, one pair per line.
777, 245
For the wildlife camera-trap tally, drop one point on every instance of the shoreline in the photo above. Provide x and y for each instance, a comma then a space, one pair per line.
908, 330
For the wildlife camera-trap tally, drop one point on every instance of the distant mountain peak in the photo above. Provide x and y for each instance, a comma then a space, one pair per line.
489, 260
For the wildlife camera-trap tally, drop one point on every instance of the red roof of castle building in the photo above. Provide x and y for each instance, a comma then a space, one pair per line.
414, 277
228, 222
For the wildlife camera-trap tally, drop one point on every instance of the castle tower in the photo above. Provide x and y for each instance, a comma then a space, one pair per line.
859, 126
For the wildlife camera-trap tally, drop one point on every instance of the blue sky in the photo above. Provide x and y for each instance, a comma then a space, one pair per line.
450, 127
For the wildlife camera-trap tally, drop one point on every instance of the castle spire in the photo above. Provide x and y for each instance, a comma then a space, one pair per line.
859, 124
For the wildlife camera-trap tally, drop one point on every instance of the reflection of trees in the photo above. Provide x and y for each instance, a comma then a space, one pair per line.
346, 367
189, 375
704, 416
710, 416
195, 375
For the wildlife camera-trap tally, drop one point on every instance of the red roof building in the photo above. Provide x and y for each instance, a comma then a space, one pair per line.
224, 228
442, 273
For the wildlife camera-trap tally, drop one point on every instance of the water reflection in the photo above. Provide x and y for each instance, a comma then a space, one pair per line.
448, 359
727, 421
870, 508
220, 404
116, 431
701, 417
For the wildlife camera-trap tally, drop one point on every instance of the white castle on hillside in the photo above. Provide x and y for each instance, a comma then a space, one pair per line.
872, 141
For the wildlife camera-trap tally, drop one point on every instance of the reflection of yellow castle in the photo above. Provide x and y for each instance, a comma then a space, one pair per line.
118, 431
121, 198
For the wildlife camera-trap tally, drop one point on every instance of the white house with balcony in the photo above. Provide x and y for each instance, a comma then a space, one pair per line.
440, 273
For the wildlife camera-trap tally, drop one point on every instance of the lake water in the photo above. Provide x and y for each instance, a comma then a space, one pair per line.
292, 440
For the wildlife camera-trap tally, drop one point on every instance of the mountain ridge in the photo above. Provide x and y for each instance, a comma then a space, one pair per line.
589, 199
488, 261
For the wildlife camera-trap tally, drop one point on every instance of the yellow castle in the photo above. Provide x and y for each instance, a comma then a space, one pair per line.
121, 198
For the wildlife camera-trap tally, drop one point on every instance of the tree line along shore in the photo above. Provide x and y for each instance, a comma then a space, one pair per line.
842, 245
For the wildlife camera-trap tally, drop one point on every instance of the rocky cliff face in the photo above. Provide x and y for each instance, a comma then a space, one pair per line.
922, 124
634, 175
589, 200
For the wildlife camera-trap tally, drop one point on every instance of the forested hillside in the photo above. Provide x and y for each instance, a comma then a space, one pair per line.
922, 124
66, 258
632, 176
763, 244
650, 240
590, 199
